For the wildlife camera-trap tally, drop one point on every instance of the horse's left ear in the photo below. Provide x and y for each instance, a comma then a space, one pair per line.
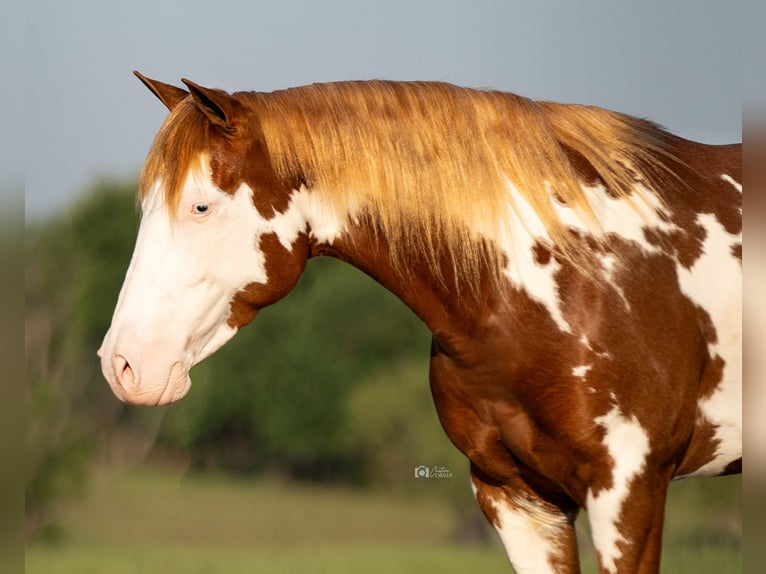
217, 105
167, 94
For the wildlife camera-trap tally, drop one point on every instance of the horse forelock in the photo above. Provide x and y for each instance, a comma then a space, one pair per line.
175, 154
430, 163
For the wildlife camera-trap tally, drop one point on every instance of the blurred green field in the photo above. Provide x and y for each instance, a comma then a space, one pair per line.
151, 520
156, 521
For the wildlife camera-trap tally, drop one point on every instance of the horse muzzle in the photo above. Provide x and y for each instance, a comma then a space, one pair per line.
142, 383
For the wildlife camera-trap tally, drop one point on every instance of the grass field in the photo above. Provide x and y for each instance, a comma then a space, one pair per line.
153, 521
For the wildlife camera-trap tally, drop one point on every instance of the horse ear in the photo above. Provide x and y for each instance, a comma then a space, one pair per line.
168, 95
217, 105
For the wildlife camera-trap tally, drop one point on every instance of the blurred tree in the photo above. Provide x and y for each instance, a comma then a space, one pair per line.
73, 273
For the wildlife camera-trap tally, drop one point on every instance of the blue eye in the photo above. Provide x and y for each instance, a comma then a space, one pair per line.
200, 208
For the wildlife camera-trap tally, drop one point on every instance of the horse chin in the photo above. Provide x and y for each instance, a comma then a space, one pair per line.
176, 390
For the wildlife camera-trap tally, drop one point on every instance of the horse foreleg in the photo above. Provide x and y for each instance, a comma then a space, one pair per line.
538, 536
626, 524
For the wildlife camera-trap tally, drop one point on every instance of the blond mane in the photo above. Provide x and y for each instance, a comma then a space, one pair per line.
430, 163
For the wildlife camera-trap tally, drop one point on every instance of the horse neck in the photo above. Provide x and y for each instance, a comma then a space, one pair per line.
446, 311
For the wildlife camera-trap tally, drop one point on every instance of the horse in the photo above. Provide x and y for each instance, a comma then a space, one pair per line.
579, 270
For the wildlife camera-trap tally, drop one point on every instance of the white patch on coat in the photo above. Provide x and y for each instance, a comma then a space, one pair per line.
538, 281
609, 267
581, 371
531, 534
714, 283
628, 444
324, 223
625, 217
585, 342
729, 179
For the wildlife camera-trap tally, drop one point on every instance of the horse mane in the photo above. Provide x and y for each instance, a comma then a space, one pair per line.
430, 163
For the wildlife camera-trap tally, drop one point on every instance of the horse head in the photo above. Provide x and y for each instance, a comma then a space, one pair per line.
221, 236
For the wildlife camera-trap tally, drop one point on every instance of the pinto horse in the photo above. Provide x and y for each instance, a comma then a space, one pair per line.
579, 269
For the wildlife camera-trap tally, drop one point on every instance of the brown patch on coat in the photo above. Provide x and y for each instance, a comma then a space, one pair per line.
703, 444
696, 188
239, 156
283, 269
541, 254
634, 349
686, 244
702, 448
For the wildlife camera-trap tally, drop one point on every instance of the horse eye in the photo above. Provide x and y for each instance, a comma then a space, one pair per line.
200, 208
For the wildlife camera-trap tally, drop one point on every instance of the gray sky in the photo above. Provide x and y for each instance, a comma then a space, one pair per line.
676, 62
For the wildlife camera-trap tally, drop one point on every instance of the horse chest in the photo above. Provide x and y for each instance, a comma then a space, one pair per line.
513, 410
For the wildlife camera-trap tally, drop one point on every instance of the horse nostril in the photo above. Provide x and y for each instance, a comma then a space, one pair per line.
124, 372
